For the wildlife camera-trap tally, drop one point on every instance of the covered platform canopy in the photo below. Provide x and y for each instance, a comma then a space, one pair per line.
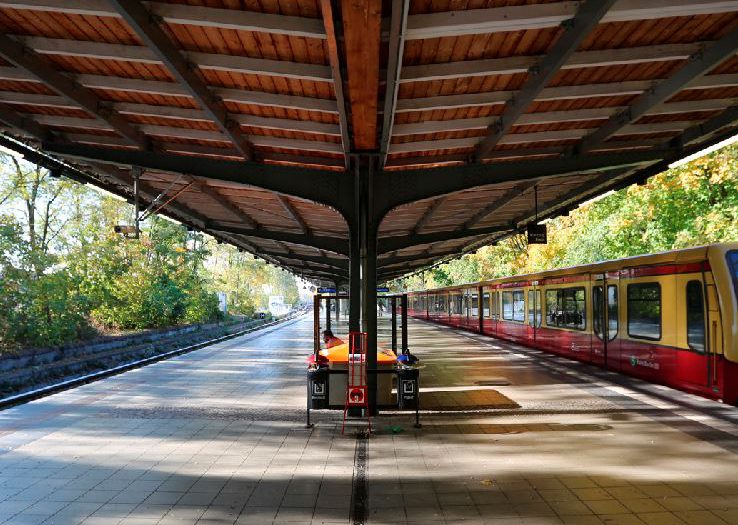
276, 123
358, 140
271, 122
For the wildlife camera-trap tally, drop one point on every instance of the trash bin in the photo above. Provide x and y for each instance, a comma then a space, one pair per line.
317, 380
408, 388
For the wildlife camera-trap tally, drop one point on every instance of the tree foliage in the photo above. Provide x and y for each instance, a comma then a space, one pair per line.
65, 275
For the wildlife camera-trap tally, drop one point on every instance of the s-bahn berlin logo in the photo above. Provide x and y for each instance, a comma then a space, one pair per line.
634, 361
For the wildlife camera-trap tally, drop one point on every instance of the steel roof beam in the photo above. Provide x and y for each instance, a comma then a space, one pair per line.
398, 26
399, 242
427, 215
200, 149
548, 117
326, 162
185, 14
331, 244
317, 185
141, 21
699, 64
36, 99
727, 118
308, 271
470, 142
260, 98
294, 214
391, 261
156, 87
575, 31
215, 136
460, 157
523, 64
524, 17
224, 201
24, 124
34, 64
174, 112
633, 87
148, 55
513, 193
339, 264
534, 137
401, 187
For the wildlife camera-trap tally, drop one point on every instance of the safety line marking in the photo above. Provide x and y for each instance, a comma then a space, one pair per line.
358, 489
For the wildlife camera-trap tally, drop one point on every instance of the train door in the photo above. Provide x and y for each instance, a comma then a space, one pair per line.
605, 319
713, 331
535, 310
697, 326
496, 310
480, 309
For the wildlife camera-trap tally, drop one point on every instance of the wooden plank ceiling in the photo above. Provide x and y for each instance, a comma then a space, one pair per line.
421, 84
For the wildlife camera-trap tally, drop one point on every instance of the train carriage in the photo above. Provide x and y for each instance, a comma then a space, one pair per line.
668, 318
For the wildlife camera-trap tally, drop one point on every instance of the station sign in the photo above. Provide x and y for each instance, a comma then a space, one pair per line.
537, 234
382, 289
326, 290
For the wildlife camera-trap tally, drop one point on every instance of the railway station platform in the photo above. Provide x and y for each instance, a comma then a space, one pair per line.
218, 436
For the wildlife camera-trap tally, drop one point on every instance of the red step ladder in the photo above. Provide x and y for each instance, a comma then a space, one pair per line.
357, 393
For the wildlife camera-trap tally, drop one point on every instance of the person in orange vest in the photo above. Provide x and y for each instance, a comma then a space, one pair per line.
330, 340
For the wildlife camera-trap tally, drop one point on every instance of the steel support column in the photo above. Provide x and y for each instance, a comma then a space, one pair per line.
367, 225
354, 282
403, 310
338, 301
328, 313
393, 302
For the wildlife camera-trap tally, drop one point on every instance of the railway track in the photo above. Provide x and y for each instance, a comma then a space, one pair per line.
46, 390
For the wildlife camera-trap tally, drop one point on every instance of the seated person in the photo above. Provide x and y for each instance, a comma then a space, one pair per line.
330, 340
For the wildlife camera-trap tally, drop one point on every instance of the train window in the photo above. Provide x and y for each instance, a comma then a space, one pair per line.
485, 304
513, 306
565, 308
519, 306
507, 306
475, 305
597, 311
534, 308
496, 306
733, 267
612, 311
644, 311
457, 305
695, 316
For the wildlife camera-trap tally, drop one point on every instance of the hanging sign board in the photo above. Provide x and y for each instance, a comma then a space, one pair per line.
326, 290
537, 234
382, 289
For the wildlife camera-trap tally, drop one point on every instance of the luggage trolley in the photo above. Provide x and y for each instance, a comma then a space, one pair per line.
328, 372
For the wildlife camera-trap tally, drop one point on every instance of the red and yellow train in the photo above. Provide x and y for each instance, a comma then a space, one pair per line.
668, 318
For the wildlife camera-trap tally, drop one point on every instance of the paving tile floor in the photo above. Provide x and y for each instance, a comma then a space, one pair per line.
218, 437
